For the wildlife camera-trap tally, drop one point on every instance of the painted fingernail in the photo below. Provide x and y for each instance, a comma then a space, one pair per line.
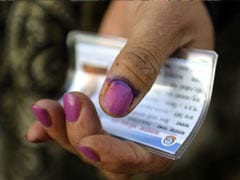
118, 98
71, 105
89, 153
42, 115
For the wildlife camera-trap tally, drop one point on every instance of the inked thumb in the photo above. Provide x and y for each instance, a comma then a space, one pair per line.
134, 72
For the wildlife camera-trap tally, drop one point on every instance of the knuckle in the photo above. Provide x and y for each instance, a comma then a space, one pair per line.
143, 63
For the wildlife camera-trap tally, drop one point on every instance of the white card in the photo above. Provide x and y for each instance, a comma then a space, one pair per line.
170, 115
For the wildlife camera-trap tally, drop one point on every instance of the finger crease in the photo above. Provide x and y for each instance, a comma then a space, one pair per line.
145, 63
153, 57
135, 74
139, 57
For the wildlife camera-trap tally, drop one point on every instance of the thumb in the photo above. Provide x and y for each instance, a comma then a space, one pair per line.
131, 76
136, 68
157, 31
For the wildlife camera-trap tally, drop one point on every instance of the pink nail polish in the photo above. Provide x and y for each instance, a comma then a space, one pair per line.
42, 115
89, 153
71, 107
118, 98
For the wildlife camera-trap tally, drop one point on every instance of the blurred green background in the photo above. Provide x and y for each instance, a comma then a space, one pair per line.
33, 65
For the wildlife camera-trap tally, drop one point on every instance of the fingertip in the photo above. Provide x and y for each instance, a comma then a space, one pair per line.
51, 119
81, 118
117, 97
36, 134
113, 154
72, 106
42, 115
85, 115
89, 153
117, 156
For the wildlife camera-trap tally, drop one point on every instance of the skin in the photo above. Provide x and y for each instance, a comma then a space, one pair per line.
155, 29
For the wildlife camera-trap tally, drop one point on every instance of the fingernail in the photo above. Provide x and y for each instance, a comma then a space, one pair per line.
42, 115
89, 153
71, 107
118, 98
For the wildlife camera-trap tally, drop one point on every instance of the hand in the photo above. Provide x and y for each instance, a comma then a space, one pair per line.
155, 29
77, 129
